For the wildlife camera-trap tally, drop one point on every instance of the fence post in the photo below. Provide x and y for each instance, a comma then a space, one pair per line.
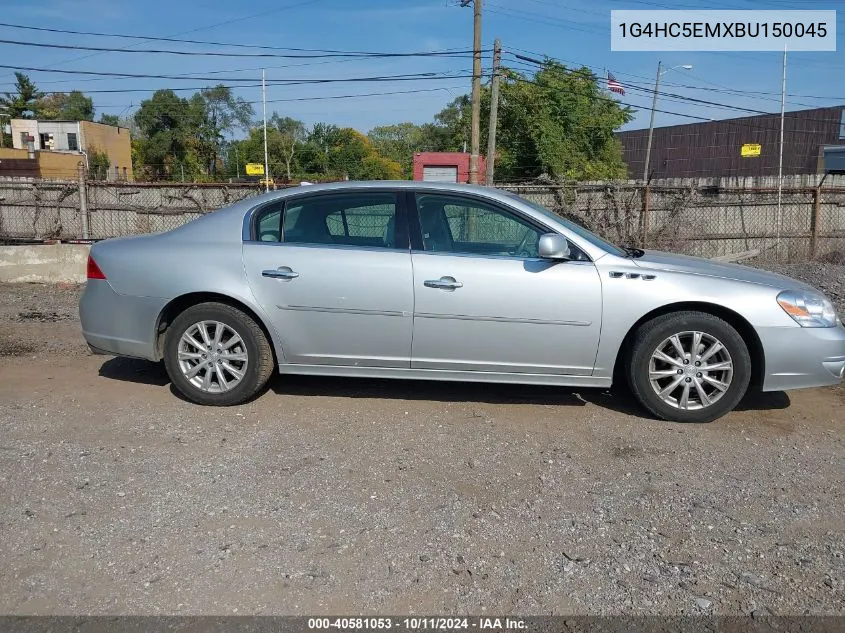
814, 221
644, 219
815, 218
83, 200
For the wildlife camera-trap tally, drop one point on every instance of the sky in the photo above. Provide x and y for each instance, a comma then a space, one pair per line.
576, 32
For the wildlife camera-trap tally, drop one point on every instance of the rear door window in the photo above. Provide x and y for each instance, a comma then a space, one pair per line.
366, 219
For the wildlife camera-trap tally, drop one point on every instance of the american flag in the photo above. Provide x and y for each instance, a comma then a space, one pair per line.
613, 85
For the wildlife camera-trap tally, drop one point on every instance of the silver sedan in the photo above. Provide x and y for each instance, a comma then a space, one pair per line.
448, 282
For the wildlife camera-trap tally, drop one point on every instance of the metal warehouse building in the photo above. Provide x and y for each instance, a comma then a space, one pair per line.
747, 146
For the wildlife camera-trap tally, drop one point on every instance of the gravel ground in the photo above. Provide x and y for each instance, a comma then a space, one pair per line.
366, 496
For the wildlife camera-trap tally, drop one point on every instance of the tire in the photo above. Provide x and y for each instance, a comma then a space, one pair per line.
731, 363
237, 369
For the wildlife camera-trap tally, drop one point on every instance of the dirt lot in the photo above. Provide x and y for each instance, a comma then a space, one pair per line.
350, 496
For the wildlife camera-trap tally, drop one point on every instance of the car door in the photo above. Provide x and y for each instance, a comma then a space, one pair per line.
485, 301
333, 271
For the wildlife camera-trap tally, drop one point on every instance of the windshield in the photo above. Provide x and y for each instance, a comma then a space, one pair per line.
579, 230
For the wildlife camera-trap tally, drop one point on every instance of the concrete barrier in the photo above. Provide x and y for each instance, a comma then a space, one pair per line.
44, 263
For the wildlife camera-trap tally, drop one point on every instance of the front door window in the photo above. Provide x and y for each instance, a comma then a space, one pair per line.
453, 224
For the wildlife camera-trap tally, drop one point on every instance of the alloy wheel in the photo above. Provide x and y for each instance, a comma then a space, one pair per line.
212, 356
690, 370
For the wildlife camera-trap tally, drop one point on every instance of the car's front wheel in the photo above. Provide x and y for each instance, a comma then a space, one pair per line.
217, 355
689, 367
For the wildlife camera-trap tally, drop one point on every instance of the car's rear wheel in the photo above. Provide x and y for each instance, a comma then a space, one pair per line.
689, 367
217, 355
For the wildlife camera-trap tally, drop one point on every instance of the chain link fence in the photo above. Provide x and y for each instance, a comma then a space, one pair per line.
696, 217
119, 209
43, 210
706, 220
39, 210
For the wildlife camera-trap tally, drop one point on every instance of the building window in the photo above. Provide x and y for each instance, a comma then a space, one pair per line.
842, 126
44, 141
72, 143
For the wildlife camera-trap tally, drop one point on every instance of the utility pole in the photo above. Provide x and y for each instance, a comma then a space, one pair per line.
475, 143
494, 112
264, 111
651, 124
660, 73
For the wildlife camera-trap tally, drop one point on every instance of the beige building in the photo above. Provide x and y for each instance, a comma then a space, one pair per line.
59, 146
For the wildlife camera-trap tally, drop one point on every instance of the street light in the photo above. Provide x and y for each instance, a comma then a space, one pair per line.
660, 72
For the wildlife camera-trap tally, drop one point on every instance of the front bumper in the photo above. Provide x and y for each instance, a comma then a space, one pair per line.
798, 357
119, 324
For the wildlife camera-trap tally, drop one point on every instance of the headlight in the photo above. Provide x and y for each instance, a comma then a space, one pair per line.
809, 309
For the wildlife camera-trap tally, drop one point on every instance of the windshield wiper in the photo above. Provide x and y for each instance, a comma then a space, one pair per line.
633, 252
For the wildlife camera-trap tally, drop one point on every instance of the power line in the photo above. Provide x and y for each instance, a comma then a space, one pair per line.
683, 98
192, 75
545, 19
740, 122
204, 42
279, 82
556, 5
324, 98
368, 94
104, 49
737, 93
650, 80
224, 23
610, 100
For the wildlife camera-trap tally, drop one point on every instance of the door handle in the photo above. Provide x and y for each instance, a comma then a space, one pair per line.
283, 272
444, 283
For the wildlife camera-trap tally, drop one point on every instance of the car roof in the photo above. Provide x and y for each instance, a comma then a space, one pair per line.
391, 184
413, 184
352, 185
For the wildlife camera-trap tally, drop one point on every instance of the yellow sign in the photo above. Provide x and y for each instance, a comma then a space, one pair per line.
750, 150
254, 169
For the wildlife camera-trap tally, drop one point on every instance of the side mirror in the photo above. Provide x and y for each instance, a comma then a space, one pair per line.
553, 246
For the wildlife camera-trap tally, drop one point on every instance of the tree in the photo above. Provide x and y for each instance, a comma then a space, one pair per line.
251, 149
292, 133
352, 155
400, 142
454, 123
163, 121
59, 106
225, 112
559, 123
188, 134
110, 119
22, 103
327, 151
98, 165
216, 112
202, 136
316, 153
451, 129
